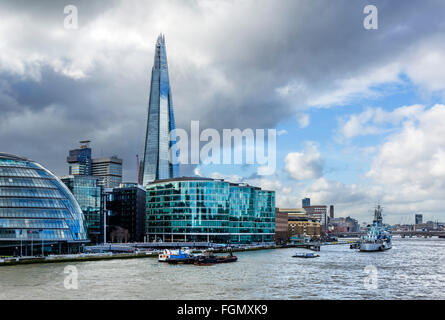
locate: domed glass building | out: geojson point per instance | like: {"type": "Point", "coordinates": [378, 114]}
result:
{"type": "Point", "coordinates": [38, 214]}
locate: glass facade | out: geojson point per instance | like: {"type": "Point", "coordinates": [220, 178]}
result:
{"type": "Point", "coordinates": [158, 141]}
{"type": "Point", "coordinates": [36, 206]}
{"type": "Point", "coordinates": [201, 209]}
{"type": "Point", "coordinates": [88, 194]}
{"type": "Point", "coordinates": [126, 218]}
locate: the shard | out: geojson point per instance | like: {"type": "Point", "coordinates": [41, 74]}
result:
{"type": "Point", "coordinates": [160, 142]}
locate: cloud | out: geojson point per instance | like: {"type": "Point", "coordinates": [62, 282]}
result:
{"type": "Point", "coordinates": [225, 58]}
{"type": "Point", "coordinates": [374, 120]}
{"type": "Point", "coordinates": [410, 163]}
{"type": "Point", "coordinates": [304, 165]}
{"type": "Point", "coordinates": [303, 120]}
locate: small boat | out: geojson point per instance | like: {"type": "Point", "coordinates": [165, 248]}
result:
{"type": "Point", "coordinates": [305, 255]}
{"type": "Point", "coordinates": [167, 255]}
{"type": "Point", "coordinates": [209, 259]}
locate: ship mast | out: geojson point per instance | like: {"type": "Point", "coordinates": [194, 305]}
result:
{"type": "Point", "coordinates": [378, 219]}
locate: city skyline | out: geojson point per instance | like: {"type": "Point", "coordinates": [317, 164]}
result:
{"type": "Point", "coordinates": [358, 112]}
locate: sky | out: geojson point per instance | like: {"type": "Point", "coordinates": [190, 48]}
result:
{"type": "Point", "coordinates": [359, 113]}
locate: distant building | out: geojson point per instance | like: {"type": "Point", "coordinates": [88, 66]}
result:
{"type": "Point", "coordinates": [109, 170]}
{"type": "Point", "coordinates": [281, 226]}
{"type": "Point", "coordinates": [299, 223]}
{"type": "Point", "coordinates": [88, 193]}
{"type": "Point", "coordinates": [331, 212]}
{"type": "Point", "coordinates": [319, 213]}
{"type": "Point", "coordinates": [419, 218]}
{"type": "Point", "coordinates": [79, 160]}
{"type": "Point", "coordinates": [348, 224]}
{"type": "Point", "coordinates": [306, 202]}
{"type": "Point", "coordinates": [126, 214]}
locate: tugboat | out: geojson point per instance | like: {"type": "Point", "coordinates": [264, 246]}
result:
{"type": "Point", "coordinates": [378, 237]}
{"type": "Point", "coordinates": [305, 255]}
{"type": "Point", "coordinates": [209, 259]}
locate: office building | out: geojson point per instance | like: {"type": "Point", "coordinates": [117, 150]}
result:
{"type": "Point", "coordinates": [281, 226]}
{"type": "Point", "coordinates": [348, 224]}
{"type": "Point", "coordinates": [88, 193]}
{"type": "Point", "coordinates": [160, 143]}
{"type": "Point", "coordinates": [38, 214]}
{"type": "Point", "coordinates": [319, 213]}
{"type": "Point", "coordinates": [126, 213]}
{"type": "Point", "coordinates": [203, 209]}
{"type": "Point", "coordinates": [299, 224]}
{"type": "Point", "coordinates": [419, 218]}
{"type": "Point", "coordinates": [306, 202]}
{"type": "Point", "coordinates": [79, 160]}
{"type": "Point", "coordinates": [331, 211]}
{"type": "Point", "coordinates": [109, 170]}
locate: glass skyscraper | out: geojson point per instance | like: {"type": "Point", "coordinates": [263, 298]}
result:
{"type": "Point", "coordinates": [160, 145]}
{"type": "Point", "coordinates": [204, 209]}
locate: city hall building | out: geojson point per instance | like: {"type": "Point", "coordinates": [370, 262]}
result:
{"type": "Point", "coordinates": [209, 210]}
{"type": "Point", "coordinates": [38, 214]}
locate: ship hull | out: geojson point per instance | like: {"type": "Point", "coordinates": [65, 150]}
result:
{"type": "Point", "coordinates": [371, 247]}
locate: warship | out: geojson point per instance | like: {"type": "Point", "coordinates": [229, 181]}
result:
{"type": "Point", "coordinates": [378, 237]}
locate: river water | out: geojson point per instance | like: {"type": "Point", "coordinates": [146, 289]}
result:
{"type": "Point", "coordinates": [412, 269]}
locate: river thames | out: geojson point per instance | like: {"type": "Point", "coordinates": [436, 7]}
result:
{"type": "Point", "coordinates": [412, 269]}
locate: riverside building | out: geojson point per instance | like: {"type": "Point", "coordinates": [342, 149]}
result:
{"type": "Point", "coordinates": [88, 193]}
{"type": "Point", "coordinates": [204, 209]}
{"type": "Point", "coordinates": [126, 213]}
{"type": "Point", "coordinates": [38, 214]}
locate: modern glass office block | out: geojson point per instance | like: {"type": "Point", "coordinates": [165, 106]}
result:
{"type": "Point", "coordinates": [88, 193]}
{"type": "Point", "coordinates": [160, 146]}
{"type": "Point", "coordinates": [202, 209]}
{"type": "Point", "coordinates": [36, 207]}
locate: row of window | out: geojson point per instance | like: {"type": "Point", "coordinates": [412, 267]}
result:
{"type": "Point", "coordinates": [216, 224]}
{"type": "Point", "coordinates": [31, 203]}
{"type": "Point", "coordinates": [34, 213]}
{"type": "Point", "coordinates": [33, 224]}
{"type": "Point", "coordinates": [30, 192]}
{"type": "Point", "coordinates": [17, 163]}
{"type": "Point", "coordinates": [253, 216]}
{"type": "Point", "coordinates": [21, 172]}
{"type": "Point", "coordinates": [20, 234]}
{"type": "Point", "coordinates": [158, 230]}
{"type": "Point", "coordinates": [26, 182]}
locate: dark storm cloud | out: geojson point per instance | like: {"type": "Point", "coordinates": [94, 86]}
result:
{"type": "Point", "coordinates": [226, 64]}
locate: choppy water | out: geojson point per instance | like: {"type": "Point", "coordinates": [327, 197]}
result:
{"type": "Point", "coordinates": [413, 269]}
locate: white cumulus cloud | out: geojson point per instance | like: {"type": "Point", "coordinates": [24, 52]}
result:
{"type": "Point", "coordinates": [305, 165]}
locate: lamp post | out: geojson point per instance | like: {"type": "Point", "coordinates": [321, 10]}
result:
{"type": "Point", "coordinates": [32, 247]}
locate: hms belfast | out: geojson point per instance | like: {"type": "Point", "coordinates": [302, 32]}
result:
{"type": "Point", "coordinates": [378, 237]}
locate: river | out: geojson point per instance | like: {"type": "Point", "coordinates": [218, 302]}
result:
{"type": "Point", "coordinates": [412, 269]}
